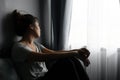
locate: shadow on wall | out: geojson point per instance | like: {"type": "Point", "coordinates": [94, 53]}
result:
{"type": "Point", "coordinates": [8, 36]}
{"type": "Point", "coordinates": [7, 70]}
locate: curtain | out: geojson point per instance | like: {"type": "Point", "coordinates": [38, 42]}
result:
{"type": "Point", "coordinates": [54, 19]}
{"type": "Point", "coordinates": [55, 24]}
{"type": "Point", "coordinates": [95, 24]}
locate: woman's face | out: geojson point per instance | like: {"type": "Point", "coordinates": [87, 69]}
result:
{"type": "Point", "coordinates": [36, 29]}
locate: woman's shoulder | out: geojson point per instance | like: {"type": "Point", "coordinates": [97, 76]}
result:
{"type": "Point", "coordinates": [20, 52]}
{"type": "Point", "coordinates": [18, 44]}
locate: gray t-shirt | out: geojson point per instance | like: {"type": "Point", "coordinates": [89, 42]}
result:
{"type": "Point", "coordinates": [27, 70]}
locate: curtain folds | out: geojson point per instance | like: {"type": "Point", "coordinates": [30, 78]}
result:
{"type": "Point", "coordinates": [97, 23]}
{"type": "Point", "coordinates": [54, 19]}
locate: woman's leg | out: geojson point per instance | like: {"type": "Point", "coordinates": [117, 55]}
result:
{"type": "Point", "coordinates": [80, 70]}
{"type": "Point", "coordinates": [66, 69]}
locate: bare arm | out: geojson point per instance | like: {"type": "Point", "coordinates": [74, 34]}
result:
{"type": "Point", "coordinates": [46, 50]}
{"type": "Point", "coordinates": [34, 56]}
{"type": "Point", "coordinates": [83, 52]}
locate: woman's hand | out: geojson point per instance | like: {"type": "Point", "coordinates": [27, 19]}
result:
{"type": "Point", "coordinates": [83, 55]}
{"type": "Point", "coordinates": [86, 62]}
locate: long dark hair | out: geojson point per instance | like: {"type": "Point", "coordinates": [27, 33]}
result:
{"type": "Point", "coordinates": [22, 22]}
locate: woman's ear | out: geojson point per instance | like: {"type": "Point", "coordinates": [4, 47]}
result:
{"type": "Point", "coordinates": [31, 27]}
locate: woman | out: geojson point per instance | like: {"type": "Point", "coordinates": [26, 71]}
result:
{"type": "Point", "coordinates": [29, 56]}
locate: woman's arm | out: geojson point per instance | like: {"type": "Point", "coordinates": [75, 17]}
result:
{"type": "Point", "coordinates": [35, 56]}
{"type": "Point", "coordinates": [83, 52]}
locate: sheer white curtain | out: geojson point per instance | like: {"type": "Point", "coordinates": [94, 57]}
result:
{"type": "Point", "coordinates": [96, 24]}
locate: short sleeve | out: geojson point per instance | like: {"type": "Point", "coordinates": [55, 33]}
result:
{"type": "Point", "coordinates": [40, 46]}
{"type": "Point", "coordinates": [20, 53]}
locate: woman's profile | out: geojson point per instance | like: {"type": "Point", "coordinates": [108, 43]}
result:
{"type": "Point", "coordinates": [29, 56]}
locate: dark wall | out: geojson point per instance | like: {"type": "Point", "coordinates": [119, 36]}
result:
{"type": "Point", "coordinates": [7, 36]}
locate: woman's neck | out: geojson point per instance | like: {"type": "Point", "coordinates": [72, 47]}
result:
{"type": "Point", "coordinates": [28, 39]}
